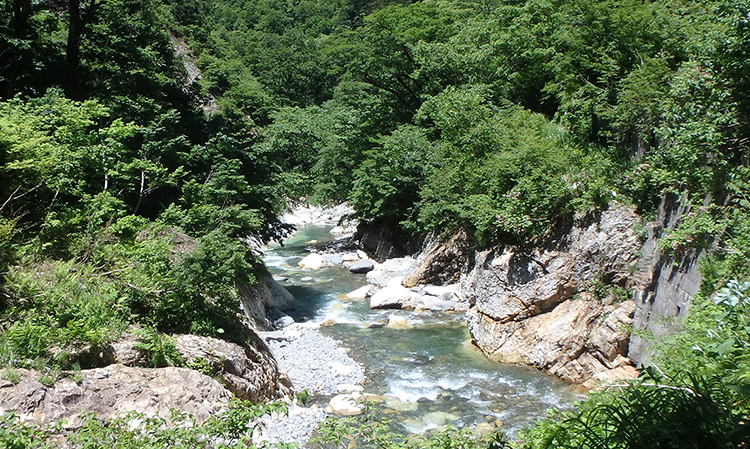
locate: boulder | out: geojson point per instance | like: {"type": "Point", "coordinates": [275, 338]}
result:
{"type": "Point", "coordinates": [391, 268]}
{"type": "Point", "coordinates": [264, 295]}
{"type": "Point", "coordinates": [362, 266]}
{"type": "Point", "coordinates": [446, 292]}
{"type": "Point", "coordinates": [333, 259]}
{"type": "Point", "coordinates": [312, 261]}
{"type": "Point", "coordinates": [249, 372]}
{"type": "Point", "coordinates": [393, 297]}
{"type": "Point", "coordinates": [360, 293]}
{"type": "Point", "coordinates": [112, 390]}
{"type": "Point", "coordinates": [279, 319]}
{"type": "Point", "coordinates": [399, 322]}
{"type": "Point", "coordinates": [345, 404]}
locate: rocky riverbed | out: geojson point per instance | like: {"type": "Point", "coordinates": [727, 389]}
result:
{"type": "Point", "coordinates": [313, 362]}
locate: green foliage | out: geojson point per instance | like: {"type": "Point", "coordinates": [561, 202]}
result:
{"type": "Point", "coordinates": [685, 412]}
{"type": "Point", "coordinates": [159, 348]}
{"type": "Point", "coordinates": [697, 229]}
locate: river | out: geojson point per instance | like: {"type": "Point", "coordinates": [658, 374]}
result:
{"type": "Point", "coordinates": [430, 373]}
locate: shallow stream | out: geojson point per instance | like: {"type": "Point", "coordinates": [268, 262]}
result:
{"type": "Point", "coordinates": [430, 373]}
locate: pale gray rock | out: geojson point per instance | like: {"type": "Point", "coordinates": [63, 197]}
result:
{"type": "Point", "coordinates": [313, 261]}
{"type": "Point", "coordinates": [523, 306]}
{"type": "Point", "coordinates": [443, 260]}
{"type": "Point", "coordinates": [391, 268]}
{"type": "Point", "coordinates": [393, 297]}
{"type": "Point", "coordinates": [264, 295]}
{"type": "Point", "coordinates": [112, 390]}
{"type": "Point", "coordinates": [249, 372]}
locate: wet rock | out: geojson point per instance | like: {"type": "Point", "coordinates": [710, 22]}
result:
{"type": "Point", "coordinates": [312, 261]}
{"type": "Point", "coordinates": [393, 297]}
{"type": "Point", "coordinates": [391, 268]}
{"type": "Point", "coordinates": [398, 322]}
{"type": "Point", "coordinates": [362, 266]}
{"type": "Point", "coordinates": [306, 279]}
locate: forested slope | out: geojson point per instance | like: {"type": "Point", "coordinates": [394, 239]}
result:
{"type": "Point", "coordinates": [499, 117]}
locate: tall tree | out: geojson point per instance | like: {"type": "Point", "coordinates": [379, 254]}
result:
{"type": "Point", "coordinates": [79, 17]}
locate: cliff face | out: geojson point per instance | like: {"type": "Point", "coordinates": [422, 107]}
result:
{"type": "Point", "coordinates": [546, 306]}
{"type": "Point", "coordinates": [663, 293]}
{"type": "Point", "coordinates": [558, 306]}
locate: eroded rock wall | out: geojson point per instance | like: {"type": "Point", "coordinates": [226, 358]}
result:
{"type": "Point", "coordinates": [663, 292]}
{"type": "Point", "coordinates": [544, 306]}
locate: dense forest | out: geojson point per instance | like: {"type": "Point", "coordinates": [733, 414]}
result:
{"type": "Point", "coordinates": [126, 122]}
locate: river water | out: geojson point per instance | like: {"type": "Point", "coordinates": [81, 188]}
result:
{"type": "Point", "coordinates": [429, 373]}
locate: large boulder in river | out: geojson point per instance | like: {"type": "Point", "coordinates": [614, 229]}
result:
{"type": "Point", "coordinates": [313, 261]}
{"type": "Point", "coordinates": [393, 296]}
{"type": "Point", "coordinates": [524, 310]}
{"type": "Point", "coordinates": [112, 390]}
{"type": "Point", "coordinates": [391, 269]}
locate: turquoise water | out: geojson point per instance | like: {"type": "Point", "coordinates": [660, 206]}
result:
{"type": "Point", "coordinates": [429, 373]}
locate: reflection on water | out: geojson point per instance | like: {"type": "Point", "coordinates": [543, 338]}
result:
{"type": "Point", "coordinates": [429, 373]}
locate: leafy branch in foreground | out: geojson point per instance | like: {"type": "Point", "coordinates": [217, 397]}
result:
{"type": "Point", "coordinates": [655, 412]}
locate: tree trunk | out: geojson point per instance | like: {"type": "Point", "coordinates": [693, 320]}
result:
{"type": "Point", "coordinates": [73, 51]}
{"type": "Point", "coordinates": [76, 30]}
{"type": "Point", "coordinates": [21, 12]}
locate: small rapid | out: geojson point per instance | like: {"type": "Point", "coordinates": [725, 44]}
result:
{"type": "Point", "coordinates": [426, 373]}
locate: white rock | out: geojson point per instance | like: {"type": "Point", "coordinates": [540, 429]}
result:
{"type": "Point", "coordinates": [392, 297]}
{"type": "Point", "coordinates": [312, 261]}
{"type": "Point", "coordinates": [345, 404]}
{"type": "Point", "coordinates": [350, 257]}
{"type": "Point", "coordinates": [339, 368]}
{"type": "Point", "coordinates": [349, 388]}
{"type": "Point", "coordinates": [398, 321]}
{"type": "Point", "coordinates": [360, 293]}
{"type": "Point", "coordinates": [446, 292]}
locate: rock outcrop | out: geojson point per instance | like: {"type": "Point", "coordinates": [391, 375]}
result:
{"type": "Point", "coordinates": [258, 299]}
{"type": "Point", "coordinates": [443, 260]}
{"type": "Point", "coordinates": [249, 372]}
{"type": "Point", "coordinates": [666, 285]}
{"type": "Point", "coordinates": [541, 306]}
{"type": "Point", "coordinates": [112, 390]}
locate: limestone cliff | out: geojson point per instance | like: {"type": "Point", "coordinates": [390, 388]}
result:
{"type": "Point", "coordinates": [545, 306]}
